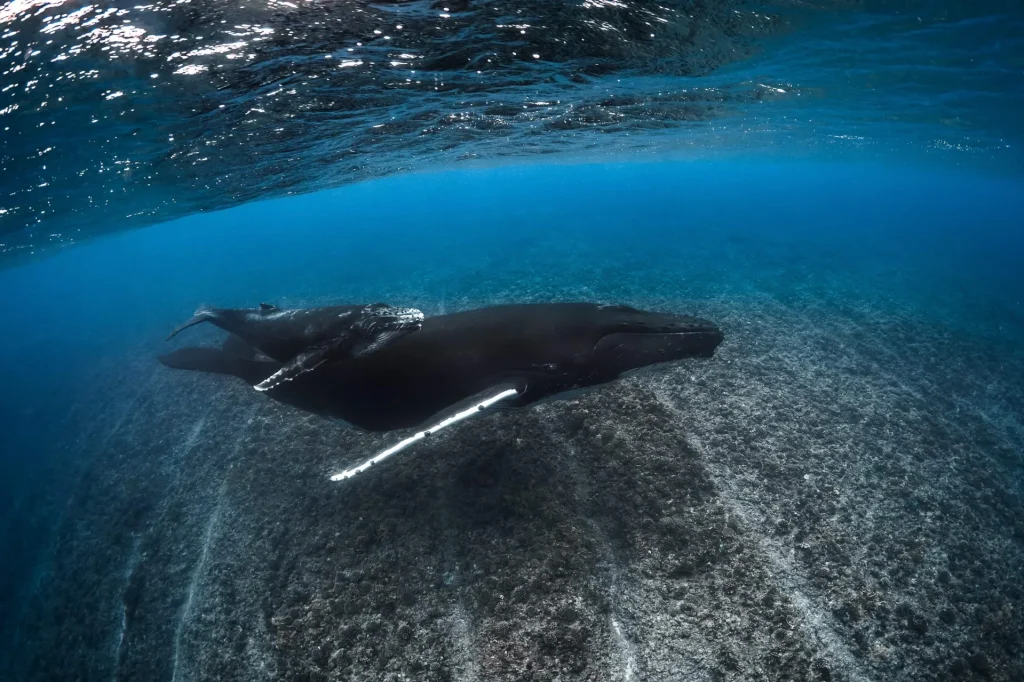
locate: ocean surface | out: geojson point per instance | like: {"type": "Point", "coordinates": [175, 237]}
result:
{"type": "Point", "coordinates": [838, 494]}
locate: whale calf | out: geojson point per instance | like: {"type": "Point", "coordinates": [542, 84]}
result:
{"type": "Point", "coordinates": [302, 339]}
{"type": "Point", "coordinates": [540, 350]}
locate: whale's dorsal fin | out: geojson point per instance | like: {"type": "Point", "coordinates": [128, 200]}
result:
{"type": "Point", "coordinates": [267, 307]}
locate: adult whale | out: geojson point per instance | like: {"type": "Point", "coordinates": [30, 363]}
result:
{"type": "Point", "coordinates": [302, 339]}
{"type": "Point", "coordinates": [539, 350]}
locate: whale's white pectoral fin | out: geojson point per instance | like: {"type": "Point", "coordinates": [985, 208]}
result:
{"type": "Point", "coordinates": [304, 362]}
{"type": "Point", "coordinates": [475, 409]}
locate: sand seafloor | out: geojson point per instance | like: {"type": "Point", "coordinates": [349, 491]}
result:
{"type": "Point", "coordinates": [835, 496]}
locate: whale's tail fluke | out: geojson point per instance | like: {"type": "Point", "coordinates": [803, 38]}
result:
{"type": "Point", "coordinates": [218, 361]}
{"type": "Point", "coordinates": [201, 315]}
{"type": "Point", "coordinates": [239, 348]}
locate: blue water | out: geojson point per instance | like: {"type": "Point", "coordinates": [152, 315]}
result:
{"type": "Point", "coordinates": [839, 185]}
{"type": "Point", "coordinates": [945, 244]}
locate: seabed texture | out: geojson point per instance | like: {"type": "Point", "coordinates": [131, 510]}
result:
{"type": "Point", "coordinates": [835, 496]}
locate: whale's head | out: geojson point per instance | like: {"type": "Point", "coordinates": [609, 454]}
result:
{"type": "Point", "coordinates": [590, 344]}
{"type": "Point", "coordinates": [631, 338]}
{"type": "Point", "coordinates": [379, 324]}
{"type": "Point", "coordinates": [381, 315]}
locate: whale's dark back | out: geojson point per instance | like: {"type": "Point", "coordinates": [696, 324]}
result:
{"type": "Point", "coordinates": [283, 334]}
{"type": "Point", "coordinates": [541, 349]}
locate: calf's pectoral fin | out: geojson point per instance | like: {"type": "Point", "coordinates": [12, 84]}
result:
{"type": "Point", "coordinates": [300, 364]}
{"type": "Point", "coordinates": [375, 343]}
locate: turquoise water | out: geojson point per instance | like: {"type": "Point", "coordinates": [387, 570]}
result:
{"type": "Point", "coordinates": [836, 495]}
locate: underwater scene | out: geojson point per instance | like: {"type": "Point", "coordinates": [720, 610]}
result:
{"type": "Point", "coordinates": [473, 340]}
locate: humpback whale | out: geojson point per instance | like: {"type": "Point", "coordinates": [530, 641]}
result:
{"type": "Point", "coordinates": [523, 353]}
{"type": "Point", "coordinates": [304, 338]}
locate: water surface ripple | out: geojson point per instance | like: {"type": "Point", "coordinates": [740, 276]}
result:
{"type": "Point", "coordinates": [121, 114]}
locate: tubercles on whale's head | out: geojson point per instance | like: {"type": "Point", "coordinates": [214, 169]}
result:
{"type": "Point", "coordinates": [397, 319]}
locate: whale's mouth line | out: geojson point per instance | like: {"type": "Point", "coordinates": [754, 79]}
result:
{"type": "Point", "coordinates": [647, 334]}
{"type": "Point", "coordinates": [689, 332]}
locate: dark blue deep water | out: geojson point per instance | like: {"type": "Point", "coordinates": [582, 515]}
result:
{"type": "Point", "coordinates": [837, 495]}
